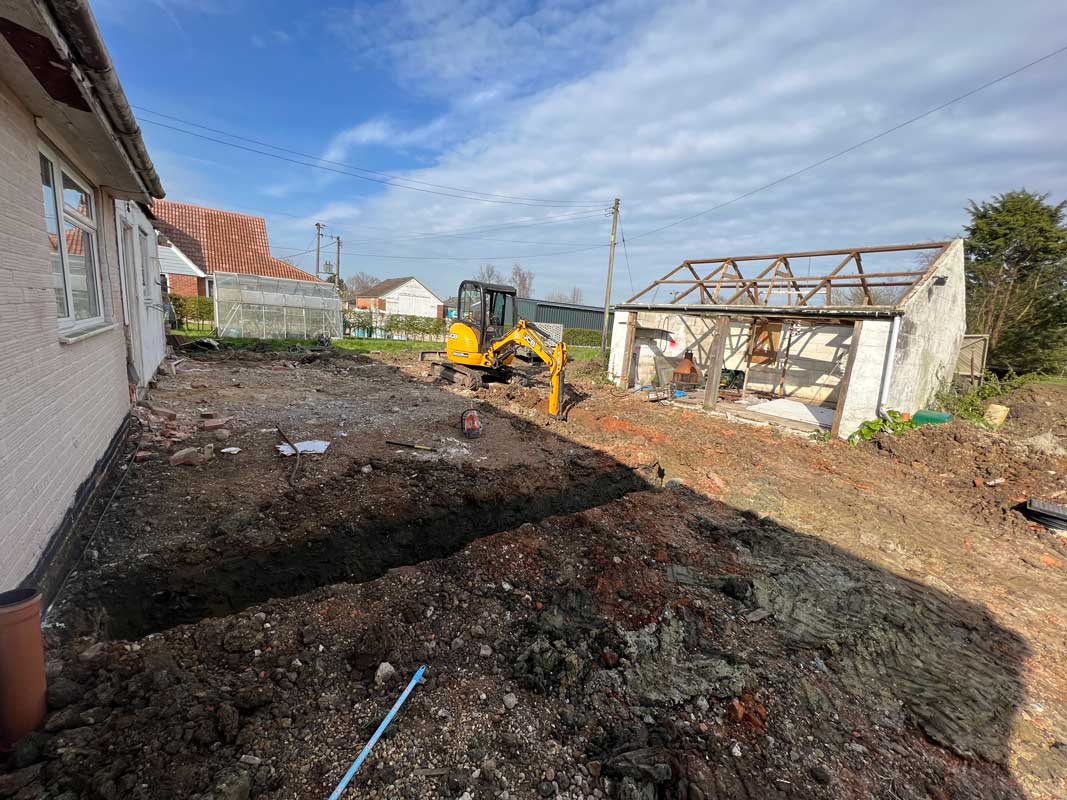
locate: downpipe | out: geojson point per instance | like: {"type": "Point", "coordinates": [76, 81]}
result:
{"type": "Point", "coordinates": [887, 368]}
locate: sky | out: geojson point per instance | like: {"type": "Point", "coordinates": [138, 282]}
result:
{"type": "Point", "coordinates": [451, 133]}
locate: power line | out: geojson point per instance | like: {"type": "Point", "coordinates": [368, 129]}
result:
{"type": "Point", "coordinates": [386, 179]}
{"type": "Point", "coordinates": [858, 145]}
{"type": "Point", "coordinates": [622, 235]}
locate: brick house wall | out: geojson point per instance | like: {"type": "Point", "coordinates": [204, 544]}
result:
{"type": "Point", "coordinates": [187, 285]}
{"type": "Point", "coordinates": [62, 403]}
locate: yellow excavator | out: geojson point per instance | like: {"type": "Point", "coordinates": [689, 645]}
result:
{"type": "Point", "coordinates": [486, 337]}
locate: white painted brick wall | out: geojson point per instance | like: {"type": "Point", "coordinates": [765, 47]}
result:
{"type": "Point", "coordinates": [60, 404]}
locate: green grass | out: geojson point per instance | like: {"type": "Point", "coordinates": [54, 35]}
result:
{"type": "Point", "coordinates": [192, 333]}
{"type": "Point", "coordinates": [574, 352]}
{"type": "Point", "coordinates": [582, 353]}
{"type": "Point", "coordinates": [386, 345]}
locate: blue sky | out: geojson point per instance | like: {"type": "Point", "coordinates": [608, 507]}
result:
{"type": "Point", "coordinates": [673, 106]}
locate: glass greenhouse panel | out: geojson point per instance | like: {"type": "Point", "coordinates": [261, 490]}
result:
{"type": "Point", "coordinates": [275, 308]}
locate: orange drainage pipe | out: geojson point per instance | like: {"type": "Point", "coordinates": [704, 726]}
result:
{"type": "Point", "coordinates": [22, 681]}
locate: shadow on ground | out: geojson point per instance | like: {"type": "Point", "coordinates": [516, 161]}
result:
{"type": "Point", "coordinates": [700, 599]}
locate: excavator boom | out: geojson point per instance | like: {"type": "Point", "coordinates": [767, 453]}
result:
{"type": "Point", "coordinates": [526, 335]}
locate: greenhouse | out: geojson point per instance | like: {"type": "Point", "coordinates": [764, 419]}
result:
{"type": "Point", "coordinates": [275, 308]}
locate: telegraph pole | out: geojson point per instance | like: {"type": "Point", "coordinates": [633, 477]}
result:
{"type": "Point", "coordinates": [318, 241]}
{"type": "Point", "coordinates": [611, 268]}
{"type": "Point", "coordinates": [337, 264]}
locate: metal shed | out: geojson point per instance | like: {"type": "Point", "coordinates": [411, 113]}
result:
{"type": "Point", "coordinates": [569, 315]}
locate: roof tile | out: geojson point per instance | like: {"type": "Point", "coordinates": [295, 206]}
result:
{"type": "Point", "coordinates": [223, 241]}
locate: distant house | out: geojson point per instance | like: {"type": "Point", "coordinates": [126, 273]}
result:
{"type": "Point", "coordinates": [201, 241]}
{"type": "Point", "coordinates": [405, 296]}
{"type": "Point", "coordinates": [81, 314]}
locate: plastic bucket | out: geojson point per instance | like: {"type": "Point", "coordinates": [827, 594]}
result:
{"type": "Point", "coordinates": [22, 681]}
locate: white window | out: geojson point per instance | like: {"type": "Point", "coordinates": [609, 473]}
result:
{"type": "Point", "coordinates": [70, 219]}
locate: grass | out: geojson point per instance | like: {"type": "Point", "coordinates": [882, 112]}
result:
{"type": "Point", "coordinates": [386, 345]}
{"type": "Point", "coordinates": [574, 352]}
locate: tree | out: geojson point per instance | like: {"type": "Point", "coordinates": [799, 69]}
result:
{"type": "Point", "coordinates": [488, 273]}
{"type": "Point", "coordinates": [575, 296]}
{"type": "Point", "coordinates": [360, 282]}
{"type": "Point", "coordinates": [522, 280]}
{"type": "Point", "coordinates": [1016, 273]}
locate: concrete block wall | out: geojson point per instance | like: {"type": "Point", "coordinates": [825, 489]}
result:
{"type": "Point", "coordinates": [861, 400]}
{"type": "Point", "coordinates": [931, 332]}
{"type": "Point", "coordinates": [814, 369]}
{"type": "Point", "coordinates": [61, 404]}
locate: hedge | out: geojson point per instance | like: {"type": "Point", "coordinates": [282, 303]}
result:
{"type": "Point", "coordinates": [581, 337]}
{"type": "Point", "coordinates": [192, 308]}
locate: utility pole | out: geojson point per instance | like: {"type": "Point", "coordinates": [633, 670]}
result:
{"type": "Point", "coordinates": [318, 241]}
{"type": "Point", "coordinates": [611, 268]}
{"type": "Point", "coordinates": [337, 264]}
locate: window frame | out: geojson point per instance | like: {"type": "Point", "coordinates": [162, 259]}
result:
{"type": "Point", "coordinates": [63, 169]}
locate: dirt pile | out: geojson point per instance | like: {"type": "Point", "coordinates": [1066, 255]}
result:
{"type": "Point", "coordinates": [717, 672]}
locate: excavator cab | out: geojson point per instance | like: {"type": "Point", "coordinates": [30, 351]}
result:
{"type": "Point", "coordinates": [484, 313]}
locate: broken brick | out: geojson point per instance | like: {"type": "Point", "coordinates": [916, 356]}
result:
{"type": "Point", "coordinates": [186, 457]}
{"type": "Point", "coordinates": [215, 424]}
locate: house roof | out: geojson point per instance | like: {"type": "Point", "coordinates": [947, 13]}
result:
{"type": "Point", "coordinates": [386, 286]}
{"type": "Point", "coordinates": [173, 261]}
{"type": "Point", "coordinates": [223, 241]}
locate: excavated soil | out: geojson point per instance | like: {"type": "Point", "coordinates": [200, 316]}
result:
{"type": "Point", "coordinates": [640, 602]}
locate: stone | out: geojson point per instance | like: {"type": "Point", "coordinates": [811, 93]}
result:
{"type": "Point", "coordinates": [63, 692]}
{"type": "Point", "coordinates": [64, 720]}
{"type": "Point", "coordinates": [186, 457]}
{"type": "Point", "coordinates": [14, 781]}
{"type": "Point", "coordinates": [222, 434]}
{"type": "Point", "coordinates": [141, 456]}
{"type": "Point", "coordinates": [366, 469]}
{"type": "Point", "coordinates": [91, 652]}
{"type": "Point", "coordinates": [160, 411]}
{"type": "Point", "coordinates": [510, 701]}
{"type": "Point", "coordinates": [594, 768]}
{"type": "Point", "coordinates": [485, 651]}
{"type": "Point", "coordinates": [29, 750]}
{"type": "Point", "coordinates": [546, 789]}
{"type": "Point", "coordinates": [821, 774]}
{"type": "Point", "coordinates": [215, 424]}
{"type": "Point", "coordinates": [385, 674]}
{"type": "Point", "coordinates": [233, 785]}
{"type": "Point", "coordinates": [251, 760]}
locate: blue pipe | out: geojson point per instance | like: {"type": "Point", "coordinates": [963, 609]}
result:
{"type": "Point", "coordinates": [377, 735]}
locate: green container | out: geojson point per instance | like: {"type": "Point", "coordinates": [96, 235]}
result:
{"type": "Point", "coordinates": [928, 417]}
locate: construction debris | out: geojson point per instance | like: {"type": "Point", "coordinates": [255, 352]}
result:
{"type": "Point", "coordinates": [1051, 515]}
{"type": "Point", "coordinates": [310, 446]}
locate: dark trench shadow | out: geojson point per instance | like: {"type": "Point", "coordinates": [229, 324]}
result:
{"type": "Point", "coordinates": [888, 642]}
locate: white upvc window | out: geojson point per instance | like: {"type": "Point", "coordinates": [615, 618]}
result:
{"type": "Point", "coordinates": [70, 215]}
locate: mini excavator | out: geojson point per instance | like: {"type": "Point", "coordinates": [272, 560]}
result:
{"type": "Point", "coordinates": [485, 339]}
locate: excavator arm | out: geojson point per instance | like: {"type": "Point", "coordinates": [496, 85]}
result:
{"type": "Point", "coordinates": [555, 355]}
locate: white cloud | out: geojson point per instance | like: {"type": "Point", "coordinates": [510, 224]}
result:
{"type": "Point", "coordinates": [690, 107]}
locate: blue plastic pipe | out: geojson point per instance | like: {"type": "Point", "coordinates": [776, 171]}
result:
{"type": "Point", "coordinates": [377, 735]}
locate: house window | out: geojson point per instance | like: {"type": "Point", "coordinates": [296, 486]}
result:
{"type": "Point", "coordinates": [70, 220]}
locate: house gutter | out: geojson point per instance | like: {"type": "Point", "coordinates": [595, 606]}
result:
{"type": "Point", "coordinates": [76, 24]}
{"type": "Point", "coordinates": [887, 367]}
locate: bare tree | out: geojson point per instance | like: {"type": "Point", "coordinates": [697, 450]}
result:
{"type": "Point", "coordinates": [360, 282]}
{"type": "Point", "coordinates": [522, 280]}
{"type": "Point", "coordinates": [488, 273]}
{"type": "Point", "coordinates": [575, 296]}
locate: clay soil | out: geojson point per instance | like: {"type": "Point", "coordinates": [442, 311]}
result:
{"type": "Point", "coordinates": [640, 602]}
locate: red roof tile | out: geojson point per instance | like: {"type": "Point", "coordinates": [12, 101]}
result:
{"type": "Point", "coordinates": [222, 241]}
